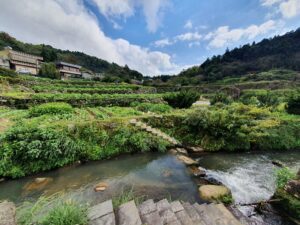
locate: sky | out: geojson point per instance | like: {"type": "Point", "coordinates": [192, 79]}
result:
{"type": "Point", "coordinates": [152, 36]}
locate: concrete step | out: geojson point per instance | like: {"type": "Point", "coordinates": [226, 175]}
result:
{"type": "Point", "coordinates": [205, 214]}
{"type": "Point", "coordinates": [225, 213]}
{"type": "Point", "coordinates": [102, 214]}
{"type": "Point", "coordinates": [149, 214]}
{"type": "Point", "coordinates": [192, 212]}
{"type": "Point", "coordinates": [128, 214]}
{"type": "Point", "coordinates": [181, 214]}
{"type": "Point", "coordinates": [166, 213]}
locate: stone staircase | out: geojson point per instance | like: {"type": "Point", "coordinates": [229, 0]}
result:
{"type": "Point", "coordinates": [161, 213]}
{"type": "Point", "coordinates": [154, 131]}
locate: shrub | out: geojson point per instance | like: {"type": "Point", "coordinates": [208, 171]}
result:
{"type": "Point", "coordinates": [157, 108]}
{"type": "Point", "coordinates": [183, 99]}
{"type": "Point", "coordinates": [7, 72]}
{"type": "Point", "coordinates": [30, 148]}
{"type": "Point", "coordinates": [293, 105]}
{"type": "Point", "coordinates": [49, 70]}
{"type": "Point", "coordinates": [221, 97]}
{"type": "Point", "coordinates": [283, 175]}
{"type": "Point", "coordinates": [51, 108]}
{"type": "Point", "coordinates": [66, 214]}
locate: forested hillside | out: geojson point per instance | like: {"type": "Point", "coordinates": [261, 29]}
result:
{"type": "Point", "coordinates": [51, 54]}
{"type": "Point", "coordinates": [279, 52]}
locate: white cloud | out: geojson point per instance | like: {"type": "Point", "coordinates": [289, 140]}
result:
{"type": "Point", "coordinates": [163, 42]}
{"type": "Point", "coordinates": [190, 36]}
{"type": "Point", "coordinates": [269, 2]}
{"type": "Point", "coordinates": [224, 35]}
{"type": "Point", "coordinates": [287, 8]}
{"type": "Point", "coordinates": [290, 8]}
{"type": "Point", "coordinates": [153, 10]}
{"type": "Point", "coordinates": [188, 24]}
{"type": "Point", "coordinates": [68, 25]}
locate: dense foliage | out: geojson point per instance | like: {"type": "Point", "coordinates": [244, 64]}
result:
{"type": "Point", "coordinates": [30, 147]}
{"type": "Point", "coordinates": [278, 52]}
{"type": "Point", "coordinates": [183, 99]}
{"type": "Point", "coordinates": [293, 105]}
{"type": "Point", "coordinates": [49, 70]}
{"type": "Point", "coordinates": [283, 175]}
{"type": "Point", "coordinates": [51, 108]}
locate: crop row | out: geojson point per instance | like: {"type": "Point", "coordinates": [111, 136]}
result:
{"type": "Point", "coordinates": [109, 89]}
{"type": "Point", "coordinates": [79, 100]}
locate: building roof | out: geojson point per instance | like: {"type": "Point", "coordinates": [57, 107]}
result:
{"type": "Point", "coordinates": [22, 55]}
{"type": "Point", "coordinates": [68, 64]}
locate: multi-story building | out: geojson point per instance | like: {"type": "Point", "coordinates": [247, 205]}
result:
{"type": "Point", "coordinates": [68, 70]}
{"type": "Point", "coordinates": [19, 61]}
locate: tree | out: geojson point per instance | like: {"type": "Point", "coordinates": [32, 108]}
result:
{"type": "Point", "coordinates": [49, 70]}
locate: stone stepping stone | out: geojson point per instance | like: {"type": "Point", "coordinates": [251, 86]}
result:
{"type": "Point", "coordinates": [102, 214]}
{"type": "Point", "coordinates": [133, 121]}
{"type": "Point", "coordinates": [128, 214]}
{"type": "Point", "coordinates": [187, 160]}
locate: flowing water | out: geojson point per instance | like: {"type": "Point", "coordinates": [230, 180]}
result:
{"type": "Point", "coordinates": [250, 176]}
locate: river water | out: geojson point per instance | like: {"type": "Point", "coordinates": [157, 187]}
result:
{"type": "Point", "coordinates": [250, 176]}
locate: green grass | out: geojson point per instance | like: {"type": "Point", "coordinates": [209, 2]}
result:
{"type": "Point", "coordinates": [127, 195]}
{"type": "Point", "coordinates": [52, 210]}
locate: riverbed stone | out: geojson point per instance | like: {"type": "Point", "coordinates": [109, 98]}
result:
{"type": "Point", "coordinates": [187, 160]}
{"type": "Point", "coordinates": [100, 187]}
{"type": "Point", "coordinates": [38, 183]}
{"type": "Point", "coordinates": [7, 213]}
{"type": "Point", "coordinates": [213, 192]}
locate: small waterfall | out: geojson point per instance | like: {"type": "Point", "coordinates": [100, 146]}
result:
{"type": "Point", "coordinates": [251, 181]}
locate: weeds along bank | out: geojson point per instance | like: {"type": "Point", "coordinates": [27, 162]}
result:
{"type": "Point", "coordinates": [45, 138]}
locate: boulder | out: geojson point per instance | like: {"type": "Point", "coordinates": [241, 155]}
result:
{"type": "Point", "coordinates": [278, 163]}
{"type": "Point", "coordinates": [7, 213]}
{"type": "Point", "coordinates": [100, 187]}
{"type": "Point", "coordinates": [213, 192]}
{"type": "Point", "coordinates": [187, 160]}
{"type": "Point", "coordinates": [196, 149]}
{"type": "Point", "coordinates": [293, 188]}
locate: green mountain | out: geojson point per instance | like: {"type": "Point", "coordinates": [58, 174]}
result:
{"type": "Point", "coordinates": [279, 52]}
{"type": "Point", "coordinates": [50, 54]}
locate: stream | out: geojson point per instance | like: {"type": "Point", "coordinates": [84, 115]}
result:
{"type": "Point", "coordinates": [250, 176]}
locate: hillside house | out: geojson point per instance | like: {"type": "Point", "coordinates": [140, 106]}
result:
{"type": "Point", "coordinates": [20, 62]}
{"type": "Point", "coordinates": [87, 74]}
{"type": "Point", "coordinates": [68, 70]}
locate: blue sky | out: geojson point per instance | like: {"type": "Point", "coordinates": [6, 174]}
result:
{"type": "Point", "coordinates": [152, 36]}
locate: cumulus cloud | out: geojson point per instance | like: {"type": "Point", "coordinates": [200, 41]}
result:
{"type": "Point", "coordinates": [163, 42]}
{"type": "Point", "coordinates": [290, 8]}
{"type": "Point", "coordinates": [69, 25]}
{"type": "Point", "coordinates": [190, 36]}
{"type": "Point", "coordinates": [188, 24]}
{"type": "Point", "coordinates": [153, 10]}
{"type": "Point", "coordinates": [287, 8]}
{"type": "Point", "coordinates": [224, 35]}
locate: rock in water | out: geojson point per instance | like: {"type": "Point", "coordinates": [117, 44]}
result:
{"type": "Point", "coordinates": [100, 187]}
{"type": "Point", "coordinates": [197, 171]}
{"type": "Point", "coordinates": [38, 183]}
{"type": "Point", "coordinates": [213, 192]}
{"type": "Point", "coordinates": [187, 160]}
{"type": "Point", "coordinates": [7, 213]}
